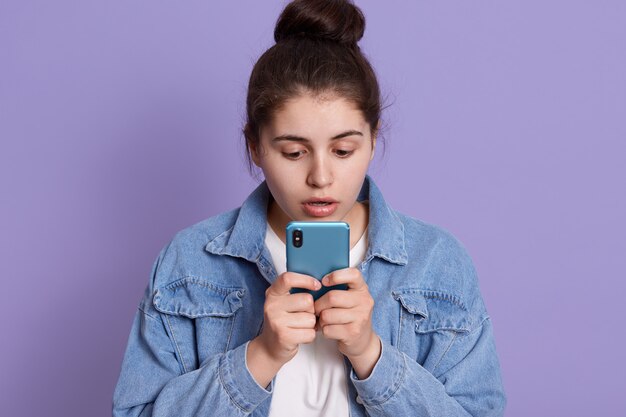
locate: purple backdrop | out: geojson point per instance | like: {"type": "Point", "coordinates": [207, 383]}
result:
{"type": "Point", "coordinates": [120, 125]}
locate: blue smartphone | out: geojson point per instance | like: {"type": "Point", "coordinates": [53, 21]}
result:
{"type": "Point", "coordinates": [317, 248]}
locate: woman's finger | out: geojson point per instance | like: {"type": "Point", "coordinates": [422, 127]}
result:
{"type": "Point", "coordinates": [336, 299]}
{"type": "Point", "coordinates": [299, 302]}
{"type": "Point", "coordinates": [350, 276]}
{"type": "Point", "coordinates": [300, 320]}
{"type": "Point", "coordinates": [288, 280]}
{"type": "Point", "coordinates": [337, 316]}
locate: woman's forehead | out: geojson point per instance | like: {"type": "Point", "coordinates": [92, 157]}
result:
{"type": "Point", "coordinates": [309, 115]}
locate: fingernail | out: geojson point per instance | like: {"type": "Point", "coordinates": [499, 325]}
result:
{"type": "Point", "coordinates": [317, 284]}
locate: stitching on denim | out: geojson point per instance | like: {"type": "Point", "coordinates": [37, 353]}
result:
{"type": "Point", "coordinates": [222, 291]}
{"type": "Point", "coordinates": [397, 295]}
{"type": "Point", "coordinates": [480, 327]}
{"type": "Point", "coordinates": [385, 257]}
{"type": "Point", "coordinates": [400, 326]}
{"type": "Point", "coordinates": [230, 332]}
{"type": "Point", "coordinates": [445, 353]}
{"type": "Point", "coordinates": [189, 315]}
{"type": "Point", "coordinates": [200, 281]}
{"type": "Point", "coordinates": [182, 360]}
{"type": "Point", "coordinates": [149, 315]}
{"type": "Point", "coordinates": [435, 294]}
{"type": "Point", "coordinates": [221, 377]}
{"type": "Point", "coordinates": [464, 326]}
{"type": "Point", "coordinates": [229, 230]}
{"type": "Point", "coordinates": [400, 381]}
{"type": "Point", "coordinates": [404, 255]}
{"type": "Point", "coordinates": [456, 330]}
{"type": "Point", "coordinates": [487, 317]}
{"type": "Point", "coordinates": [160, 319]}
{"type": "Point", "coordinates": [431, 256]}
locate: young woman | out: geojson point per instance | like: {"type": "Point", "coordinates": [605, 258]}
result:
{"type": "Point", "coordinates": [218, 332]}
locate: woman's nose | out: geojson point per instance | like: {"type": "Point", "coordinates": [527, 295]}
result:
{"type": "Point", "coordinates": [320, 174]}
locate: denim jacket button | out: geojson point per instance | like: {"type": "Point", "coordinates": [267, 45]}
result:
{"type": "Point", "coordinates": [359, 400]}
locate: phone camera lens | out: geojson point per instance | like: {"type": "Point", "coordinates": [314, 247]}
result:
{"type": "Point", "coordinates": [297, 238]}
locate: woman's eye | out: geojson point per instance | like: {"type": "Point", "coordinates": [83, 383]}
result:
{"type": "Point", "coordinates": [292, 155]}
{"type": "Point", "coordinates": [343, 153]}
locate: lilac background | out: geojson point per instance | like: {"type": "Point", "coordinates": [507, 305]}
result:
{"type": "Point", "coordinates": [120, 125]}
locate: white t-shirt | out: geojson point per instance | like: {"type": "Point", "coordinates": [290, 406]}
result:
{"type": "Point", "coordinates": [313, 383]}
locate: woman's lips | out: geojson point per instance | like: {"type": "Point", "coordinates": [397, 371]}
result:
{"type": "Point", "coordinates": [319, 210]}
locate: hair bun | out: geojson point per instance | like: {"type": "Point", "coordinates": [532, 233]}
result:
{"type": "Point", "coordinates": [335, 20]}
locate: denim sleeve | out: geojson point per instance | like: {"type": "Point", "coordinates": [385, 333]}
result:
{"type": "Point", "coordinates": [151, 384]}
{"type": "Point", "coordinates": [469, 385]}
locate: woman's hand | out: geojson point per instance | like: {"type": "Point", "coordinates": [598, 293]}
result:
{"type": "Point", "coordinates": [289, 318]}
{"type": "Point", "coordinates": [346, 316]}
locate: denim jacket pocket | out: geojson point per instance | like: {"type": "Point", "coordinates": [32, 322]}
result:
{"type": "Point", "coordinates": [430, 320]}
{"type": "Point", "coordinates": [199, 317]}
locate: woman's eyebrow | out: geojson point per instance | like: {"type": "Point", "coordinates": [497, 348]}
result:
{"type": "Point", "coordinates": [295, 138]}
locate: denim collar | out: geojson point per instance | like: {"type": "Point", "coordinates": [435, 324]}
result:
{"type": "Point", "coordinates": [246, 238]}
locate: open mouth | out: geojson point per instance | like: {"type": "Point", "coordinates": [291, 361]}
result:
{"type": "Point", "coordinates": [320, 208]}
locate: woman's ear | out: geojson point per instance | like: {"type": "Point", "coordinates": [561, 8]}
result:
{"type": "Point", "coordinates": [254, 152]}
{"type": "Point", "coordinates": [374, 140]}
{"type": "Point", "coordinates": [253, 146]}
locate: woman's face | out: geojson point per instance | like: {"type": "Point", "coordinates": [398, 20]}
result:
{"type": "Point", "coordinates": [314, 155]}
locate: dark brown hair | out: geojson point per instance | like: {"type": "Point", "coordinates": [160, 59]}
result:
{"type": "Point", "coordinates": [316, 52]}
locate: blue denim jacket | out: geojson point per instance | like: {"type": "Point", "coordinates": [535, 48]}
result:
{"type": "Point", "coordinates": [186, 353]}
